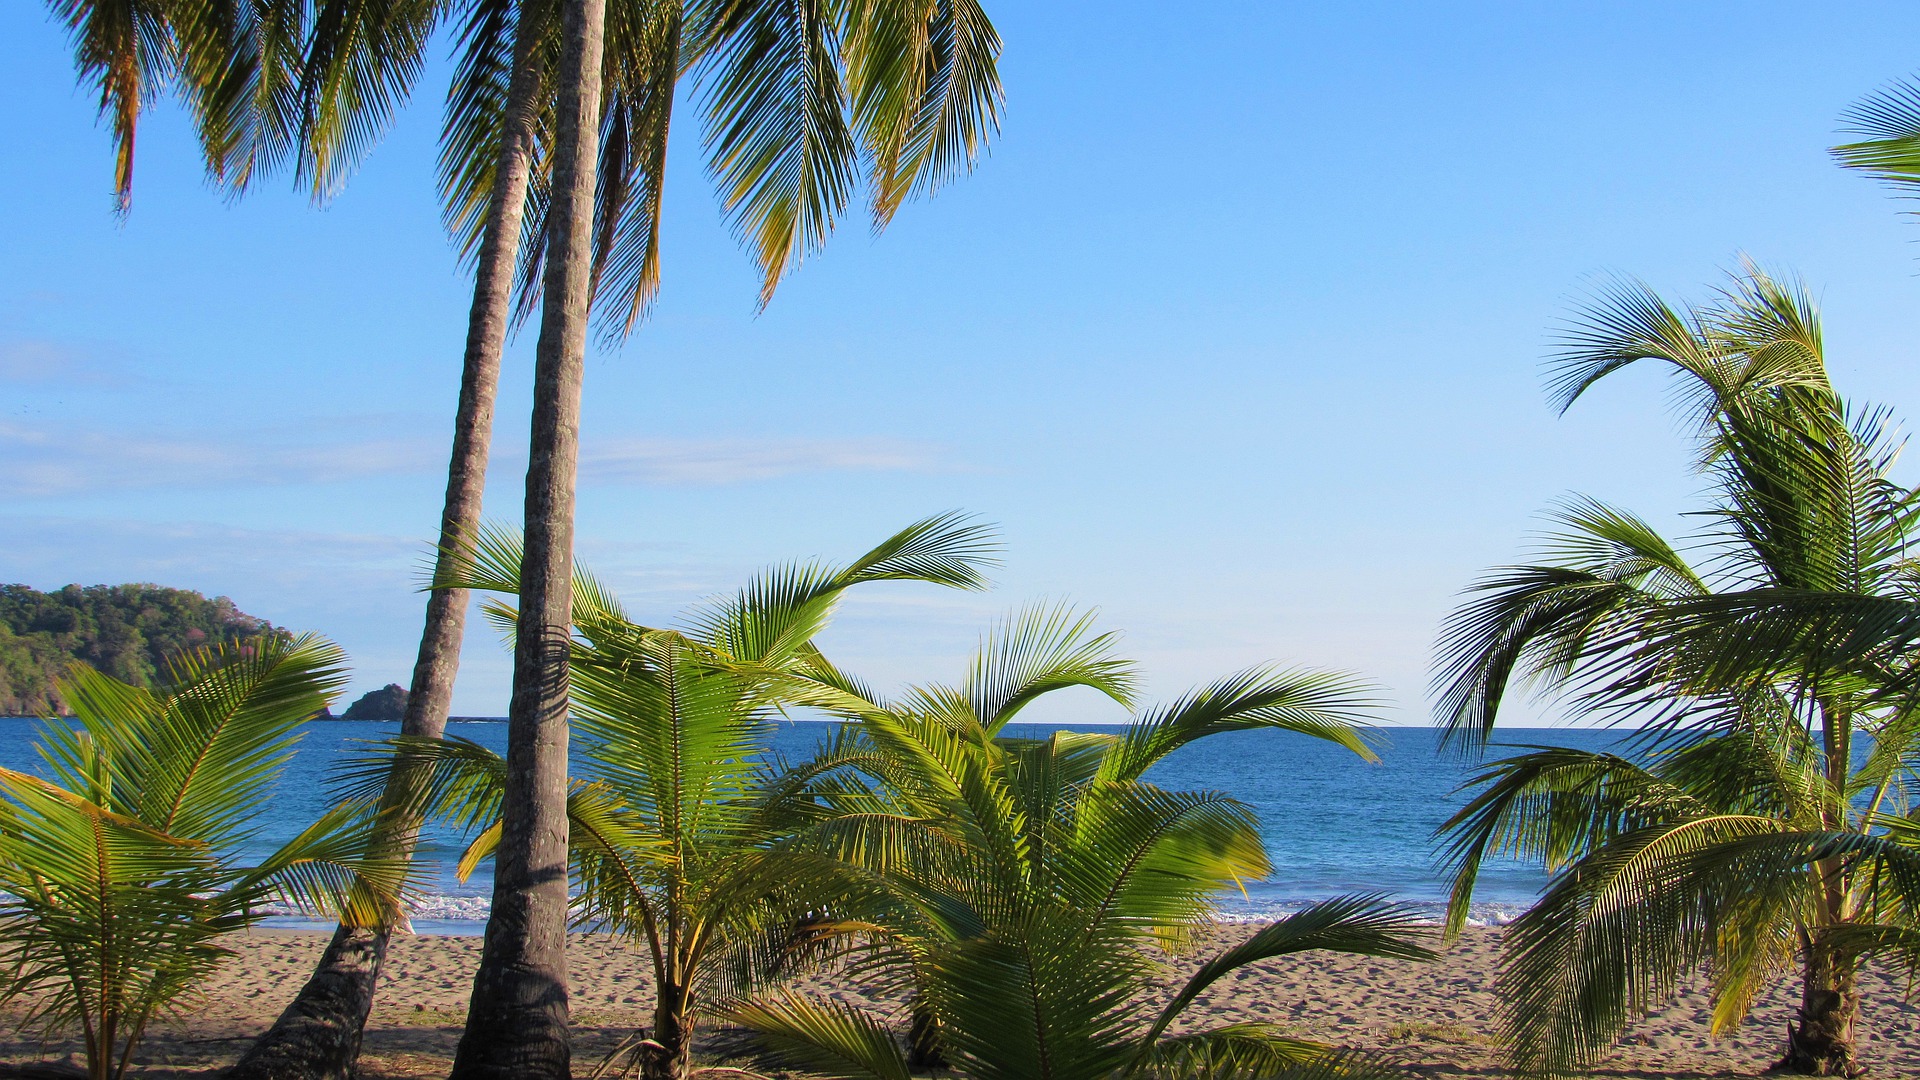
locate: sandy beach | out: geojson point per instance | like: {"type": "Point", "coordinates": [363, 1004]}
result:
{"type": "Point", "coordinates": [1433, 1018]}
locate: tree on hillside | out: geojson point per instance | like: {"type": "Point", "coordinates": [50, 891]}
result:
{"type": "Point", "coordinates": [129, 632]}
{"type": "Point", "coordinates": [1764, 820]}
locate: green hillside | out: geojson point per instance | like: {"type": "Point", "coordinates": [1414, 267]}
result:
{"type": "Point", "coordinates": [126, 631]}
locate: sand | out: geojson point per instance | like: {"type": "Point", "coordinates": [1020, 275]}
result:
{"type": "Point", "coordinates": [1434, 1018]}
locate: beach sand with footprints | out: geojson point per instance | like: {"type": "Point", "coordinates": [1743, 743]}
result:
{"type": "Point", "coordinates": [1435, 1018]}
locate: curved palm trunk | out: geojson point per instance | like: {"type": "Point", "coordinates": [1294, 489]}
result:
{"type": "Point", "coordinates": [318, 1036]}
{"type": "Point", "coordinates": [517, 1021]}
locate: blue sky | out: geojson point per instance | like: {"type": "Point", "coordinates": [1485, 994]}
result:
{"type": "Point", "coordinates": [1236, 334]}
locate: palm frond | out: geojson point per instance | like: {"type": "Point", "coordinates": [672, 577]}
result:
{"type": "Point", "coordinates": [1326, 705]}
{"type": "Point", "coordinates": [829, 1039]}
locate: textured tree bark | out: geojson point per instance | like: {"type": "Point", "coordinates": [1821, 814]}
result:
{"type": "Point", "coordinates": [1820, 1042]}
{"type": "Point", "coordinates": [517, 1020]}
{"type": "Point", "coordinates": [669, 1057]}
{"type": "Point", "coordinates": [318, 1036]}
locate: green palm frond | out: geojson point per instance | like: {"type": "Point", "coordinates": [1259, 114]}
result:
{"type": "Point", "coordinates": [828, 1039]}
{"type": "Point", "coordinates": [362, 59]}
{"type": "Point", "coordinates": [1551, 805]}
{"type": "Point", "coordinates": [779, 145]}
{"type": "Point", "coordinates": [493, 35]}
{"type": "Point", "coordinates": [1326, 705]}
{"type": "Point", "coordinates": [1040, 650]}
{"type": "Point", "coordinates": [1250, 1050]}
{"type": "Point", "coordinates": [774, 618]}
{"type": "Point", "coordinates": [1155, 859]}
{"type": "Point", "coordinates": [1889, 121]}
{"type": "Point", "coordinates": [490, 562]}
{"type": "Point", "coordinates": [1364, 925]}
{"type": "Point", "coordinates": [924, 87]}
{"type": "Point", "coordinates": [120, 873]}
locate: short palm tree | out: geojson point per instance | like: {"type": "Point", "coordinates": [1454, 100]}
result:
{"type": "Point", "coordinates": [676, 820]}
{"type": "Point", "coordinates": [121, 867]}
{"type": "Point", "coordinates": [1017, 888]}
{"type": "Point", "coordinates": [1748, 828]}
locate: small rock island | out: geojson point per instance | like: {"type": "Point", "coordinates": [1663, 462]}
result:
{"type": "Point", "coordinates": [385, 705]}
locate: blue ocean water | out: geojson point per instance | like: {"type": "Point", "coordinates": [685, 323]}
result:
{"type": "Point", "coordinates": [1332, 822]}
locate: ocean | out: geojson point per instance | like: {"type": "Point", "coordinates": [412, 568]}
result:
{"type": "Point", "coordinates": [1333, 823]}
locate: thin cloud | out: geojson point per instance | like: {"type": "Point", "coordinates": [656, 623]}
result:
{"type": "Point", "coordinates": [39, 461]}
{"type": "Point", "coordinates": [33, 362]}
{"type": "Point", "coordinates": [719, 462]}
{"type": "Point", "coordinates": [46, 461]}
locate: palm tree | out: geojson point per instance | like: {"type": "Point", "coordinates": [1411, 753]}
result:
{"type": "Point", "coordinates": [1017, 887]}
{"type": "Point", "coordinates": [1746, 828]}
{"type": "Point", "coordinates": [675, 825]}
{"type": "Point", "coordinates": [119, 870]}
{"type": "Point", "coordinates": [779, 175]}
{"type": "Point", "coordinates": [796, 105]}
{"type": "Point", "coordinates": [908, 90]}
{"type": "Point", "coordinates": [1888, 122]}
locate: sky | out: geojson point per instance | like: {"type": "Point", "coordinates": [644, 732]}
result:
{"type": "Point", "coordinates": [1236, 335]}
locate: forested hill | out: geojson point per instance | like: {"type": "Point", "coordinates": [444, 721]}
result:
{"type": "Point", "coordinates": [126, 631]}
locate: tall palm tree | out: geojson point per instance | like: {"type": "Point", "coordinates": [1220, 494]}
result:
{"type": "Point", "coordinates": [798, 102]}
{"type": "Point", "coordinates": [784, 149]}
{"type": "Point", "coordinates": [676, 823]}
{"type": "Point", "coordinates": [1018, 887]}
{"type": "Point", "coordinates": [1746, 829]}
{"type": "Point", "coordinates": [121, 869]}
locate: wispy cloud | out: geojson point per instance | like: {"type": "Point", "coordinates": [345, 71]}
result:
{"type": "Point", "coordinates": [44, 461]}
{"type": "Point", "coordinates": [36, 362]}
{"type": "Point", "coordinates": [715, 462]}
{"type": "Point", "coordinates": [57, 550]}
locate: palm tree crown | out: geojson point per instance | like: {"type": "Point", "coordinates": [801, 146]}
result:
{"type": "Point", "coordinates": [1747, 829]}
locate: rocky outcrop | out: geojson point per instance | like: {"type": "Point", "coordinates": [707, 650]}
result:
{"type": "Point", "coordinates": [385, 705]}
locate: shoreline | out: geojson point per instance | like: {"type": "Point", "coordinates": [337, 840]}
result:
{"type": "Point", "coordinates": [1436, 1019]}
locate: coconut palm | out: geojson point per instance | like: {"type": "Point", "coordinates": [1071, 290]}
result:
{"type": "Point", "coordinates": [121, 867]}
{"type": "Point", "coordinates": [1746, 828]}
{"type": "Point", "coordinates": [784, 146]}
{"type": "Point", "coordinates": [1017, 888]}
{"type": "Point", "coordinates": [1888, 122]}
{"type": "Point", "coordinates": [676, 822]}
{"type": "Point", "coordinates": [796, 106]}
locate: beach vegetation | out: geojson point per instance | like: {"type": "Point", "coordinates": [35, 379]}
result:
{"type": "Point", "coordinates": [1021, 892]}
{"type": "Point", "coordinates": [124, 862]}
{"type": "Point", "coordinates": [677, 816]}
{"type": "Point", "coordinates": [1762, 819]}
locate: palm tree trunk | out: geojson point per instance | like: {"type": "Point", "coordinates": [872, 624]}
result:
{"type": "Point", "coordinates": [517, 1021]}
{"type": "Point", "coordinates": [1820, 1041]}
{"type": "Point", "coordinates": [318, 1036]}
{"type": "Point", "coordinates": [923, 1037]}
{"type": "Point", "coordinates": [670, 1056]}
